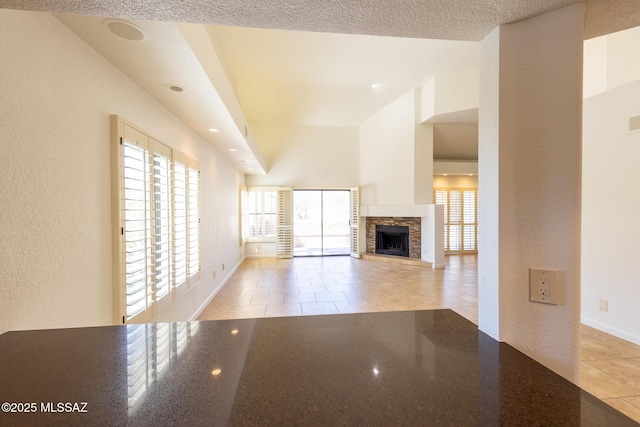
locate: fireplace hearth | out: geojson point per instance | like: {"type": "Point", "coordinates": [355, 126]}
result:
{"type": "Point", "coordinates": [392, 240]}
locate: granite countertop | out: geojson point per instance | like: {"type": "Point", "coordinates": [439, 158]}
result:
{"type": "Point", "coordinates": [376, 369]}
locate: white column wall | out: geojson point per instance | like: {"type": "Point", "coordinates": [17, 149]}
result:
{"type": "Point", "coordinates": [530, 183]}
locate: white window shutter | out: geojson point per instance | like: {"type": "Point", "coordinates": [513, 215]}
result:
{"type": "Point", "coordinates": [354, 221]}
{"type": "Point", "coordinates": [284, 244]}
{"type": "Point", "coordinates": [135, 202]}
{"type": "Point", "coordinates": [156, 223]}
{"type": "Point", "coordinates": [460, 219]}
{"type": "Point", "coordinates": [179, 225]}
{"type": "Point", "coordinates": [161, 217]}
{"type": "Point", "coordinates": [193, 221]}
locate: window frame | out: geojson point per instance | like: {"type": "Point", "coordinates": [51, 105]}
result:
{"type": "Point", "coordinates": [262, 237]}
{"type": "Point", "coordinates": [159, 216]}
{"type": "Point", "coordinates": [462, 223]}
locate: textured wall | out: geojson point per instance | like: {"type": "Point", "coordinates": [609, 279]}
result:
{"type": "Point", "coordinates": [57, 95]}
{"type": "Point", "coordinates": [530, 200]}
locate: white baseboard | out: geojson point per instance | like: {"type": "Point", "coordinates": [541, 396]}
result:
{"type": "Point", "coordinates": [611, 330]}
{"type": "Point", "coordinates": [215, 291]}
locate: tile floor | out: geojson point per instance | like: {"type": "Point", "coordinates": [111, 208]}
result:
{"type": "Point", "coordinates": [609, 367]}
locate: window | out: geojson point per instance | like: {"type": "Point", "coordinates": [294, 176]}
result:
{"type": "Point", "coordinates": [156, 205]}
{"type": "Point", "coordinates": [161, 217]}
{"type": "Point", "coordinates": [179, 224]}
{"type": "Point", "coordinates": [193, 221]}
{"type": "Point", "coordinates": [460, 219]}
{"type": "Point", "coordinates": [137, 258]}
{"type": "Point", "coordinates": [262, 213]}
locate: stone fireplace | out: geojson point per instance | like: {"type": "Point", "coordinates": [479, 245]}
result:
{"type": "Point", "coordinates": [386, 235]}
{"type": "Point", "coordinates": [392, 240]}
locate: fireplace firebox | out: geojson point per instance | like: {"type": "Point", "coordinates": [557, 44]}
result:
{"type": "Point", "coordinates": [392, 240]}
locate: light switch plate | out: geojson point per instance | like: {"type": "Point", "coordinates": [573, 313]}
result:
{"type": "Point", "coordinates": [543, 286]}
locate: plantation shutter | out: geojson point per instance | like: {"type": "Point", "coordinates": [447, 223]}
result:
{"type": "Point", "coordinates": [156, 220]}
{"type": "Point", "coordinates": [161, 218]}
{"type": "Point", "coordinates": [136, 229]}
{"type": "Point", "coordinates": [284, 243]}
{"type": "Point", "coordinates": [469, 220]}
{"type": "Point", "coordinates": [193, 218]}
{"type": "Point", "coordinates": [455, 221]}
{"type": "Point", "coordinates": [442, 198]}
{"type": "Point", "coordinates": [460, 219]}
{"type": "Point", "coordinates": [179, 224]}
{"type": "Point", "coordinates": [354, 221]}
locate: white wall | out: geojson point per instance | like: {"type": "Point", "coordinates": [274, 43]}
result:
{"type": "Point", "coordinates": [387, 154]}
{"type": "Point", "coordinates": [595, 66]}
{"type": "Point", "coordinates": [611, 61]}
{"type": "Point", "coordinates": [308, 156]}
{"type": "Point", "coordinates": [623, 63]}
{"type": "Point", "coordinates": [530, 184]}
{"type": "Point", "coordinates": [610, 204]}
{"type": "Point", "coordinates": [455, 181]}
{"type": "Point", "coordinates": [57, 95]}
{"type": "Point", "coordinates": [450, 93]}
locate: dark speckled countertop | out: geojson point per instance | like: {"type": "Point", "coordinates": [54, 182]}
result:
{"type": "Point", "coordinates": [376, 369]}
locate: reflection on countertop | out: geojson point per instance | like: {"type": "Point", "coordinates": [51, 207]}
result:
{"type": "Point", "coordinates": [429, 367]}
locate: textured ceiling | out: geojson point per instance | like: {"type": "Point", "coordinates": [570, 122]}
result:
{"type": "Point", "coordinates": [304, 79]}
{"type": "Point", "coordinates": [434, 19]}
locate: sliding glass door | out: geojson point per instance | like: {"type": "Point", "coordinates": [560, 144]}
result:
{"type": "Point", "coordinates": [321, 222]}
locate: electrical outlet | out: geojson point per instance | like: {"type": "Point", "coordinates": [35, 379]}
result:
{"type": "Point", "coordinates": [604, 305]}
{"type": "Point", "coordinates": [543, 286]}
{"type": "Point", "coordinates": [214, 274]}
{"type": "Point", "coordinates": [222, 267]}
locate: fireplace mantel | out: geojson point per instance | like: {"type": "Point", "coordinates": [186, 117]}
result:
{"type": "Point", "coordinates": [420, 211]}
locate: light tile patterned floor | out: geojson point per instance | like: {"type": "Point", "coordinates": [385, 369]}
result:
{"type": "Point", "coordinates": [609, 367]}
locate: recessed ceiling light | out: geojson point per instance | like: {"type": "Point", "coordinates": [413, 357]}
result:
{"type": "Point", "coordinates": [250, 169]}
{"type": "Point", "coordinates": [216, 372]}
{"type": "Point", "coordinates": [232, 149]}
{"type": "Point", "coordinates": [175, 88]}
{"type": "Point", "coordinates": [470, 174]}
{"type": "Point", "coordinates": [445, 174]}
{"type": "Point", "coordinates": [125, 30]}
{"type": "Point", "coordinates": [376, 85]}
{"type": "Point", "coordinates": [213, 130]}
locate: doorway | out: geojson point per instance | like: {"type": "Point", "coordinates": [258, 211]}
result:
{"type": "Point", "coordinates": [321, 222]}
